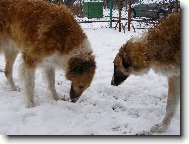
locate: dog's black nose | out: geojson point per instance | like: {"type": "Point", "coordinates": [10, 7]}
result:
{"type": "Point", "coordinates": [112, 83]}
{"type": "Point", "coordinates": [74, 100]}
{"type": "Point", "coordinates": [118, 78]}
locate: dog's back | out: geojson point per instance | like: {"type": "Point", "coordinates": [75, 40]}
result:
{"type": "Point", "coordinates": [29, 23]}
{"type": "Point", "coordinates": [163, 43]}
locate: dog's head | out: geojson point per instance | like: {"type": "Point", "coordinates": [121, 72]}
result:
{"type": "Point", "coordinates": [131, 59]}
{"type": "Point", "coordinates": [80, 73]}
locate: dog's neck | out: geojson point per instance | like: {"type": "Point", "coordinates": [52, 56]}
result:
{"type": "Point", "coordinates": [83, 52]}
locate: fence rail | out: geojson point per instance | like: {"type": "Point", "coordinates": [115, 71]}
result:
{"type": "Point", "coordinates": [119, 12]}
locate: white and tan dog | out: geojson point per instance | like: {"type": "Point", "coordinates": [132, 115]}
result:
{"type": "Point", "coordinates": [47, 36]}
{"type": "Point", "coordinates": [158, 49]}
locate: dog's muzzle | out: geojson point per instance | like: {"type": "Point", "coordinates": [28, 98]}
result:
{"type": "Point", "coordinates": [112, 82]}
{"type": "Point", "coordinates": [73, 96]}
{"type": "Point", "coordinates": [118, 77]}
{"type": "Point", "coordinates": [74, 100]}
{"type": "Point", "coordinates": [118, 81]}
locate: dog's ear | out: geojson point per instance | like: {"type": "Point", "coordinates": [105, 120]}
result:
{"type": "Point", "coordinates": [81, 67]}
{"type": "Point", "coordinates": [77, 69]}
{"type": "Point", "coordinates": [125, 64]}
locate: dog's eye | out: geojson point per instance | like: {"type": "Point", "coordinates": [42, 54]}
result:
{"type": "Point", "coordinates": [81, 87]}
{"type": "Point", "coordinates": [125, 64]}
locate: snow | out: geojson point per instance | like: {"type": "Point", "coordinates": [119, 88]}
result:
{"type": "Point", "coordinates": [155, 1]}
{"type": "Point", "coordinates": [129, 109]}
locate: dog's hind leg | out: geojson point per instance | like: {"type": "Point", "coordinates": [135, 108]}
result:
{"type": "Point", "coordinates": [172, 103]}
{"type": "Point", "coordinates": [10, 56]}
{"type": "Point", "coordinates": [28, 75]}
{"type": "Point", "coordinates": [50, 75]}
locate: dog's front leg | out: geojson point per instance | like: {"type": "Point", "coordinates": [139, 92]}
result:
{"type": "Point", "coordinates": [50, 74]}
{"type": "Point", "coordinates": [10, 56]}
{"type": "Point", "coordinates": [172, 103]}
{"type": "Point", "coordinates": [29, 77]}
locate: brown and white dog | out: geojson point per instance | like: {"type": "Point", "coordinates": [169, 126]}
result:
{"type": "Point", "coordinates": [47, 36]}
{"type": "Point", "coordinates": [159, 49]}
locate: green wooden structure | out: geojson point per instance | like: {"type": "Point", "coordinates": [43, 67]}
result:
{"type": "Point", "coordinates": [93, 9]}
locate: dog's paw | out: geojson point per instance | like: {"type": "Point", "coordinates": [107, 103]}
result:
{"type": "Point", "coordinates": [31, 105]}
{"type": "Point", "coordinates": [143, 133]}
{"type": "Point", "coordinates": [56, 98]}
{"type": "Point", "coordinates": [16, 88]}
{"type": "Point", "coordinates": [158, 128]}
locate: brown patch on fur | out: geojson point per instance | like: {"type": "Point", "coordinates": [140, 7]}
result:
{"type": "Point", "coordinates": [39, 29]}
{"type": "Point", "coordinates": [83, 70]}
{"type": "Point", "coordinates": [81, 73]}
{"type": "Point", "coordinates": [163, 43]}
{"type": "Point", "coordinates": [78, 66]}
{"type": "Point", "coordinates": [161, 48]}
{"type": "Point", "coordinates": [132, 57]}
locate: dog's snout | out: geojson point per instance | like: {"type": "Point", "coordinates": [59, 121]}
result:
{"type": "Point", "coordinates": [73, 95]}
{"type": "Point", "coordinates": [112, 82]}
{"type": "Point", "coordinates": [118, 77]}
{"type": "Point", "coordinates": [74, 100]}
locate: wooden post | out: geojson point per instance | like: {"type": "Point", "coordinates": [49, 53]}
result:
{"type": "Point", "coordinates": [176, 5]}
{"type": "Point", "coordinates": [139, 8]}
{"type": "Point", "coordinates": [111, 13]}
{"type": "Point", "coordinates": [129, 15]}
{"type": "Point", "coordinates": [120, 9]}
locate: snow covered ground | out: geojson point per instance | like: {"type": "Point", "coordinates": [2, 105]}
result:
{"type": "Point", "coordinates": [130, 109]}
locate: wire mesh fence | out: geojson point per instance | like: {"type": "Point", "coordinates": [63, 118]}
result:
{"type": "Point", "coordinates": [121, 14]}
